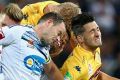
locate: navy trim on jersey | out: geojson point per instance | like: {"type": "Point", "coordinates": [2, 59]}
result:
{"type": "Point", "coordinates": [36, 42]}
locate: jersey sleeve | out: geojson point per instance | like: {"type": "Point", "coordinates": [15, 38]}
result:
{"type": "Point", "coordinates": [45, 53]}
{"type": "Point", "coordinates": [6, 36]}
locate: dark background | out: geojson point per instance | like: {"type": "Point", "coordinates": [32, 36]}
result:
{"type": "Point", "coordinates": [107, 15]}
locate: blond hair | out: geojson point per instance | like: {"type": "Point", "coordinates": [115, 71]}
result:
{"type": "Point", "coordinates": [69, 10]}
{"type": "Point", "coordinates": [14, 12]}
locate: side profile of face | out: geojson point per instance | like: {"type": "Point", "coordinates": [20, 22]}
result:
{"type": "Point", "coordinates": [1, 19]}
{"type": "Point", "coordinates": [92, 35]}
{"type": "Point", "coordinates": [55, 35]}
{"type": "Point", "coordinates": [7, 21]}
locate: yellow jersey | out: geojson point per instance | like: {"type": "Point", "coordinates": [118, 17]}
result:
{"type": "Point", "coordinates": [33, 12]}
{"type": "Point", "coordinates": [82, 65]}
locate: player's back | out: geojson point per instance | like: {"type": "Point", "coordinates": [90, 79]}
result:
{"type": "Point", "coordinates": [33, 12]}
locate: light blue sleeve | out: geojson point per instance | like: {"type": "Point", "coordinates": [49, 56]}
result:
{"type": "Point", "coordinates": [6, 36]}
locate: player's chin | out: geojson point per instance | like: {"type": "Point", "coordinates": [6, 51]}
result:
{"type": "Point", "coordinates": [55, 50]}
{"type": "Point", "coordinates": [99, 44]}
{"type": "Point", "coordinates": [55, 53]}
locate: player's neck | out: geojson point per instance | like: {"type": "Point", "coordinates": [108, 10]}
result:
{"type": "Point", "coordinates": [88, 48]}
{"type": "Point", "coordinates": [38, 31]}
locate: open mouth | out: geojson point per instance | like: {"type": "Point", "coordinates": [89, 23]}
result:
{"type": "Point", "coordinates": [97, 39]}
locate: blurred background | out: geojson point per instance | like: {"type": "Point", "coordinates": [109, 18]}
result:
{"type": "Point", "coordinates": [107, 15]}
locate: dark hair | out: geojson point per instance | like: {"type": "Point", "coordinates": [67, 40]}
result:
{"type": "Point", "coordinates": [79, 21]}
{"type": "Point", "coordinates": [14, 12]}
{"type": "Point", "coordinates": [57, 18]}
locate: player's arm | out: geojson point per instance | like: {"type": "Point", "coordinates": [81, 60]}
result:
{"type": "Point", "coordinates": [104, 76]}
{"type": "Point", "coordinates": [52, 71]}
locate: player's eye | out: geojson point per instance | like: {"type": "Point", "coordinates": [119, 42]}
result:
{"type": "Point", "coordinates": [3, 24]}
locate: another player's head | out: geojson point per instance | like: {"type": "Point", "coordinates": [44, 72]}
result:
{"type": "Point", "coordinates": [68, 10]}
{"type": "Point", "coordinates": [51, 30]}
{"type": "Point", "coordinates": [13, 14]}
{"type": "Point", "coordinates": [86, 31]}
{"type": "Point", "coordinates": [51, 8]}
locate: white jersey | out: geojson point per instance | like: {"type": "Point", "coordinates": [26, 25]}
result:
{"type": "Point", "coordinates": [23, 55]}
{"type": "Point", "coordinates": [0, 59]}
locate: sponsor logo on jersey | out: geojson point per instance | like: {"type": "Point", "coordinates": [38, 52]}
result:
{"type": "Point", "coordinates": [67, 76]}
{"type": "Point", "coordinates": [35, 64]}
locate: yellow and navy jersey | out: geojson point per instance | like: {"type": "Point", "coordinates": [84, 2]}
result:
{"type": "Point", "coordinates": [82, 65]}
{"type": "Point", "coordinates": [33, 12]}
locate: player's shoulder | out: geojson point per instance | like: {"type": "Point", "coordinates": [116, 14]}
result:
{"type": "Point", "coordinates": [19, 29]}
{"type": "Point", "coordinates": [73, 68]}
{"type": "Point", "coordinates": [75, 61]}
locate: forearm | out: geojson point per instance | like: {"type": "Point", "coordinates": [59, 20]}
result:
{"type": "Point", "coordinates": [53, 72]}
{"type": "Point", "coordinates": [104, 76]}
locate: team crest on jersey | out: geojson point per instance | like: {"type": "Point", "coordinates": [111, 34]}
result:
{"type": "Point", "coordinates": [34, 63]}
{"type": "Point", "coordinates": [78, 68]}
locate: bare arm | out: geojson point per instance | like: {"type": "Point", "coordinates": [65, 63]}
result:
{"type": "Point", "coordinates": [104, 76]}
{"type": "Point", "coordinates": [53, 72]}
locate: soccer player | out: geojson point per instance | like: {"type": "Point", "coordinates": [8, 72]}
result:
{"type": "Point", "coordinates": [32, 12]}
{"type": "Point", "coordinates": [25, 54]}
{"type": "Point", "coordinates": [11, 15]}
{"type": "Point", "coordinates": [85, 61]}
{"type": "Point", "coordinates": [67, 11]}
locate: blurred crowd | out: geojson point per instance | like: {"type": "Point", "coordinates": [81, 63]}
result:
{"type": "Point", "coordinates": [106, 13]}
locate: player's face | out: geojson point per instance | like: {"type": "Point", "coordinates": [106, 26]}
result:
{"type": "Point", "coordinates": [55, 35]}
{"type": "Point", "coordinates": [92, 35]}
{"type": "Point", "coordinates": [7, 21]}
{"type": "Point", "coordinates": [1, 20]}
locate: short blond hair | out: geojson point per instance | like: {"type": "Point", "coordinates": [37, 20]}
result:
{"type": "Point", "coordinates": [14, 12]}
{"type": "Point", "coordinates": [69, 10]}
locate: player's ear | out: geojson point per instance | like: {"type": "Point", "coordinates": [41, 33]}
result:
{"type": "Point", "coordinates": [49, 22]}
{"type": "Point", "coordinates": [80, 38]}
